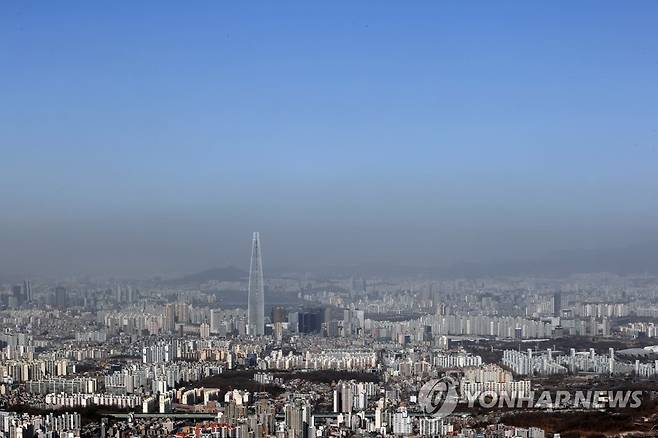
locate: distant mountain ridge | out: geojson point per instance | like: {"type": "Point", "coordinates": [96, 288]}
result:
{"type": "Point", "coordinates": [230, 273]}
{"type": "Point", "coordinates": [634, 259]}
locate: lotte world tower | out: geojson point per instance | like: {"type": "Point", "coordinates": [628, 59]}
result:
{"type": "Point", "coordinates": [256, 298]}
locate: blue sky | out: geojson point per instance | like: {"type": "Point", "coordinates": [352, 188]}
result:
{"type": "Point", "coordinates": [154, 136]}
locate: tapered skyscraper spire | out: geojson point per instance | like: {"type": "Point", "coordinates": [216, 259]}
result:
{"type": "Point", "coordinates": [256, 299]}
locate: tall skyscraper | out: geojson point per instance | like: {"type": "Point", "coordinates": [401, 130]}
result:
{"type": "Point", "coordinates": [256, 298]}
{"type": "Point", "coordinates": [18, 295]}
{"type": "Point", "coordinates": [169, 323]}
{"type": "Point", "coordinates": [557, 303]}
{"type": "Point", "coordinates": [27, 287]}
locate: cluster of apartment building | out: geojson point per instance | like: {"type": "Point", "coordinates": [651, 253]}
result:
{"type": "Point", "coordinates": [17, 425]}
{"type": "Point", "coordinates": [85, 400]}
{"type": "Point", "coordinates": [76, 385]}
{"type": "Point", "coordinates": [158, 377]}
{"type": "Point", "coordinates": [639, 329]}
{"type": "Point", "coordinates": [35, 369]}
{"type": "Point", "coordinates": [492, 378]}
{"type": "Point", "coordinates": [549, 362]}
{"type": "Point", "coordinates": [324, 360]}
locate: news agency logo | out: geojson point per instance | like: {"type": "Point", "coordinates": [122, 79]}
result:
{"type": "Point", "coordinates": [439, 397]}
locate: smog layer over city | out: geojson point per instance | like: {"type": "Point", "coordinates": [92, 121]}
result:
{"type": "Point", "coordinates": [329, 219]}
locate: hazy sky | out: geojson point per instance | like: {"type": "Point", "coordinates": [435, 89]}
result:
{"type": "Point", "coordinates": [146, 137]}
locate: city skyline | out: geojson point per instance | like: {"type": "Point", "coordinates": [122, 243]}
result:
{"type": "Point", "coordinates": [457, 202]}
